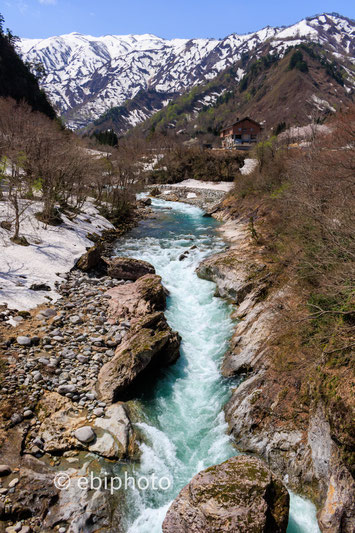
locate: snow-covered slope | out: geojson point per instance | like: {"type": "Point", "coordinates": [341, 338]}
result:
{"type": "Point", "coordinates": [86, 76]}
{"type": "Point", "coordinates": [53, 250]}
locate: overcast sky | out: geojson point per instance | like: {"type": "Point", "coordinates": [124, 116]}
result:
{"type": "Point", "coordinates": [165, 18]}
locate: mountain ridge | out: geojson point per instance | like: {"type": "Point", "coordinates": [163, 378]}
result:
{"type": "Point", "coordinates": [87, 76]}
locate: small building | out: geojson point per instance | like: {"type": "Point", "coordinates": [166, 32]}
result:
{"type": "Point", "coordinates": [242, 133]}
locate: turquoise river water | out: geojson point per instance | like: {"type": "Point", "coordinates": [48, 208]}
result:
{"type": "Point", "coordinates": [184, 427]}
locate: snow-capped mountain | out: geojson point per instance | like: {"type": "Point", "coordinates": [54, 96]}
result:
{"type": "Point", "coordinates": [86, 76]}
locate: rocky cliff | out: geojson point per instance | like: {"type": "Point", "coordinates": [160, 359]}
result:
{"type": "Point", "coordinates": [271, 412]}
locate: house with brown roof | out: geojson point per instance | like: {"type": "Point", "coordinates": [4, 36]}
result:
{"type": "Point", "coordinates": [242, 133]}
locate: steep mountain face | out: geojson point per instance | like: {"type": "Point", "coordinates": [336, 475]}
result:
{"type": "Point", "coordinates": [297, 86]}
{"type": "Point", "coordinates": [87, 76]}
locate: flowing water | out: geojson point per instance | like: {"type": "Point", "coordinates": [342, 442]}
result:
{"type": "Point", "coordinates": [184, 430]}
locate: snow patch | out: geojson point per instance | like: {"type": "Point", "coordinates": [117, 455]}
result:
{"type": "Point", "coordinates": [52, 251]}
{"type": "Point", "coordinates": [249, 166]}
{"type": "Point", "coordinates": [212, 185]}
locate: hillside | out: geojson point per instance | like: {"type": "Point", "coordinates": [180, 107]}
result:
{"type": "Point", "coordinates": [304, 84]}
{"type": "Point", "coordinates": [16, 80]}
{"type": "Point", "coordinates": [87, 76]}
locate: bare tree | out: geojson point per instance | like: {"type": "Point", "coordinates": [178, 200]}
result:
{"type": "Point", "coordinates": [14, 122]}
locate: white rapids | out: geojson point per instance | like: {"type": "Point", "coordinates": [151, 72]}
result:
{"type": "Point", "coordinates": [184, 428]}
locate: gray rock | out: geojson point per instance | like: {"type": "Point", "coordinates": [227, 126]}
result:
{"type": "Point", "coordinates": [47, 313]}
{"type": "Point", "coordinates": [36, 451]}
{"type": "Point", "coordinates": [66, 389]}
{"type": "Point", "coordinates": [82, 358]}
{"type": "Point", "coordinates": [85, 434]}
{"type": "Point", "coordinates": [91, 395]}
{"type": "Point", "coordinates": [23, 341]}
{"type": "Point", "coordinates": [75, 319]}
{"type": "Point", "coordinates": [18, 319]}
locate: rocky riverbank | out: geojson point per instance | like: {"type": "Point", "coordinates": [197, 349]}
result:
{"type": "Point", "coordinates": [269, 413]}
{"type": "Point", "coordinates": [62, 367]}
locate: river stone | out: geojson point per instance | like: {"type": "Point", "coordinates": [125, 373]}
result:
{"type": "Point", "coordinates": [240, 495]}
{"type": "Point", "coordinates": [23, 341]}
{"type": "Point", "coordinates": [85, 434]}
{"type": "Point", "coordinates": [66, 389]}
{"type": "Point", "coordinates": [127, 268]}
{"type": "Point", "coordinates": [75, 319]}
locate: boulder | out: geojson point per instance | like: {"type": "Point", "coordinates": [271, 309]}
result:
{"type": "Point", "coordinates": [40, 287]}
{"type": "Point", "coordinates": [78, 509]}
{"type": "Point", "coordinates": [115, 438]}
{"type": "Point", "coordinates": [150, 345]}
{"type": "Point", "coordinates": [240, 495]}
{"type": "Point", "coordinates": [138, 299]}
{"type": "Point", "coordinates": [183, 256]}
{"type": "Point", "coordinates": [232, 276]}
{"type": "Point", "coordinates": [58, 420]}
{"type": "Point", "coordinates": [62, 429]}
{"type": "Point", "coordinates": [127, 268]}
{"type": "Point", "coordinates": [144, 202]}
{"type": "Point", "coordinates": [91, 259]}
{"type": "Point", "coordinates": [85, 434]}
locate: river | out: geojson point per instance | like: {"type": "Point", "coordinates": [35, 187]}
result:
{"type": "Point", "coordinates": [184, 429]}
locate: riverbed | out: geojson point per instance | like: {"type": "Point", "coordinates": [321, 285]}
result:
{"type": "Point", "coordinates": [183, 429]}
